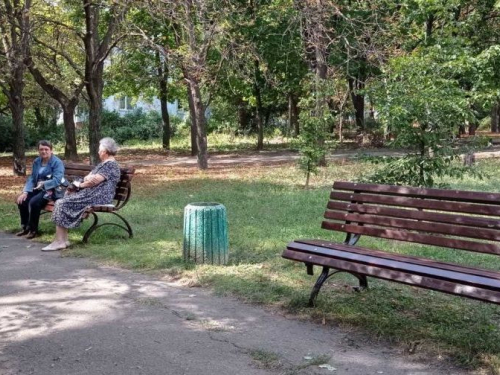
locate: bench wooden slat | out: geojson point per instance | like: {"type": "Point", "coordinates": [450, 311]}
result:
{"type": "Point", "coordinates": [397, 264]}
{"type": "Point", "coordinates": [396, 275]}
{"type": "Point", "coordinates": [456, 195]}
{"type": "Point", "coordinates": [399, 257]}
{"type": "Point", "coordinates": [391, 222]}
{"type": "Point", "coordinates": [406, 236]}
{"type": "Point", "coordinates": [473, 221]}
{"type": "Point", "coordinates": [480, 209]}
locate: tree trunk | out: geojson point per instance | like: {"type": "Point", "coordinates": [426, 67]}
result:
{"type": "Point", "coordinates": [258, 119]}
{"type": "Point", "coordinates": [16, 105]}
{"type": "Point", "coordinates": [163, 82]}
{"type": "Point", "coordinates": [358, 101]}
{"type": "Point", "coordinates": [243, 116]}
{"type": "Point", "coordinates": [165, 116]}
{"type": "Point", "coordinates": [293, 115]}
{"type": "Point", "coordinates": [321, 102]}
{"type": "Point", "coordinates": [15, 32]}
{"type": "Point", "coordinates": [192, 115]}
{"type": "Point", "coordinates": [258, 110]}
{"type": "Point", "coordinates": [495, 117]}
{"type": "Point", "coordinates": [70, 150]}
{"type": "Point", "coordinates": [201, 125]}
{"type": "Point", "coordinates": [472, 128]}
{"type": "Point", "coordinates": [98, 42]}
{"type": "Point", "coordinates": [94, 90]}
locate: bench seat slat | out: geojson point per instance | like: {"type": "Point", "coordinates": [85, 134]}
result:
{"type": "Point", "coordinates": [384, 221]}
{"type": "Point", "coordinates": [471, 208]}
{"type": "Point", "coordinates": [456, 195]}
{"type": "Point", "coordinates": [398, 263]}
{"type": "Point", "coordinates": [406, 236]}
{"type": "Point", "coordinates": [402, 258]}
{"type": "Point", "coordinates": [398, 276]}
{"type": "Point", "coordinates": [473, 221]}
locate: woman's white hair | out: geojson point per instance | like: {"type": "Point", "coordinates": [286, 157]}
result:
{"type": "Point", "coordinates": [109, 145]}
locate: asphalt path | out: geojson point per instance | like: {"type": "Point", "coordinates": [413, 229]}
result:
{"type": "Point", "coordinates": [64, 315]}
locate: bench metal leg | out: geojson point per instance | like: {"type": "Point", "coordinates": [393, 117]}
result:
{"type": "Point", "coordinates": [317, 286]}
{"type": "Point", "coordinates": [325, 274]}
{"type": "Point", "coordinates": [94, 226]}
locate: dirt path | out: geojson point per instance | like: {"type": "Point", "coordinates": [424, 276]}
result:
{"type": "Point", "coordinates": [68, 316]}
{"type": "Point", "coordinates": [268, 157]}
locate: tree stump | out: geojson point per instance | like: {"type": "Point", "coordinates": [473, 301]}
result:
{"type": "Point", "coordinates": [205, 233]}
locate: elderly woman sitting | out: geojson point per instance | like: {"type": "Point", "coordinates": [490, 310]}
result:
{"type": "Point", "coordinates": [98, 187]}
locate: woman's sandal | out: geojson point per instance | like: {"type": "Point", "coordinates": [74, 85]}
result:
{"type": "Point", "coordinates": [55, 248]}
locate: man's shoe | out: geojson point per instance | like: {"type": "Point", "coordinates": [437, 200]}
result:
{"type": "Point", "coordinates": [23, 232]}
{"type": "Point", "coordinates": [31, 235]}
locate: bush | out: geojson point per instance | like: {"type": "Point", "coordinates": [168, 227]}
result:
{"type": "Point", "coordinates": [134, 125]}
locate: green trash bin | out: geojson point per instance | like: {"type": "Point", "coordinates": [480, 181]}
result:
{"type": "Point", "coordinates": [205, 233]}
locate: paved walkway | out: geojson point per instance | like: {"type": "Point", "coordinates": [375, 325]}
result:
{"type": "Point", "coordinates": [68, 316]}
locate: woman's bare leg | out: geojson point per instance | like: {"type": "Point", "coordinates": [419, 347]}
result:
{"type": "Point", "coordinates": [61, 235]}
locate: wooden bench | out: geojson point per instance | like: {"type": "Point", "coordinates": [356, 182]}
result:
{"type": "Point", "coordinates": [122, 195]}
{"type": "Point", "coordinates": [461, 220]}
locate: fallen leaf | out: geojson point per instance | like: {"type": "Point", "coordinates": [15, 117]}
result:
{"type": "Point", "coordinates": [328, 367]}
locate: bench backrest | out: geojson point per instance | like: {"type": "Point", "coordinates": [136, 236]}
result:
{"type": "Point", "coordinates": [123, 188]}
{"type": "Point", "coordinates": [448, 218]}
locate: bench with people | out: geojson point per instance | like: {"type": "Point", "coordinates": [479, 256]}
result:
{"type": "Point", "coordinates": [101, 188]}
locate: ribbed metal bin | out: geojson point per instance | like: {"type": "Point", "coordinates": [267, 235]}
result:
{"type": "Point", "coordinates": [205, 233]}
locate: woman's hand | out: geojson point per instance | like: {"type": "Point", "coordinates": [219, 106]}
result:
{"type": "Point", "coordinates": [21, 198]}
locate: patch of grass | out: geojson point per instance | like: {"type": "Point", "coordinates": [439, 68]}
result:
{"type": "Point", "coordinates": [266, 359]}
{"type": "Point", "coordinates": [217, 142]}
{"type": "Point", "coordinates": [268, 207]}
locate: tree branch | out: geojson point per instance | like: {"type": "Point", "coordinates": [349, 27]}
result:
{"type": "Point", "coordinates": [63, 54]}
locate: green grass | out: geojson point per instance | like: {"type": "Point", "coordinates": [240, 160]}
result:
{"type": "Point", "coordinates": [266, 208]}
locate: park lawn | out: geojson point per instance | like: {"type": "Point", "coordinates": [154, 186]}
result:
{"type": "Point", "coordinates": [267, 207]}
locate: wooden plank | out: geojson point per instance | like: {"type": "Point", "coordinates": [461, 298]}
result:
{"type": "Point", "coordinates": [473, 221]}
{"type": "Point", "coordinates": [384, 221]}
{"type": "Point", "coordinates": [399, 257]}
{"type": "Point", "coordinates": [479, 209]}
{"type": "Point", "coordinates": [395, 264]}
{"type": "Point", "coordinates": [425, 239]}
{"type": "Point", "coordinates": [454, 195]}
{"type": "Point", "coordinates": [398, 276]}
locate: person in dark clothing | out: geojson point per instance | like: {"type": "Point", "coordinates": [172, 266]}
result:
{"type": "Point", "coordinates": [46, 174]}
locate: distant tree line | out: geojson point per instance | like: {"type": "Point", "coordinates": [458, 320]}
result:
{"type": "Point", "coordinates": [416, 72]}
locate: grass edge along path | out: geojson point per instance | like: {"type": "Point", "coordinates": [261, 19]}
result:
{"type": "Point", "coordinates": [267, 207]}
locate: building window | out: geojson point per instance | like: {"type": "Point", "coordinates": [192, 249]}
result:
{"type": "Point", "coordinates": [125, 104]}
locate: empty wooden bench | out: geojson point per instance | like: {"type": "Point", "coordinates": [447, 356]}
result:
{"type": "Point", "coordinates": [74, 171]}
{"type": "Point", "coordinates": [459, 220]}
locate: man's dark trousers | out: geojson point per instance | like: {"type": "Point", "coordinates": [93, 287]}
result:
{"type": "Point", "coordinates": [30, 210]}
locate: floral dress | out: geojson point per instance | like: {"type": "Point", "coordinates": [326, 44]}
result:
{"type": "Point", "coordinates": [68, 211]}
